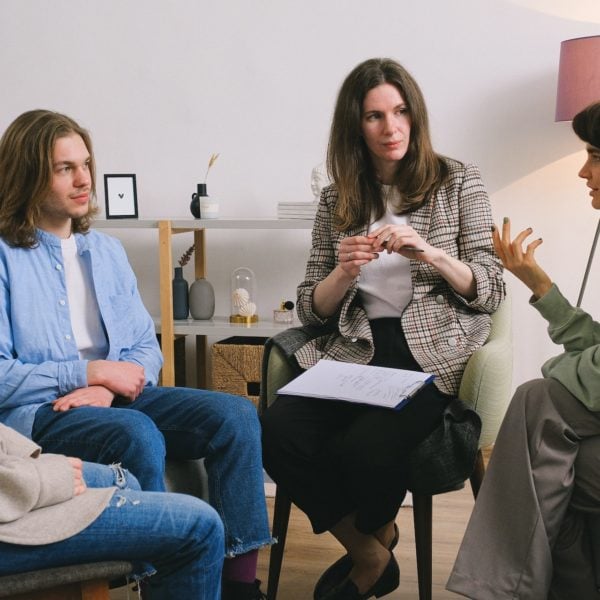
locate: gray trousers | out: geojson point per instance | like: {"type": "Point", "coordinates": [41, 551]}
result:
{"type": "Point", "coordinates": [528, 536]}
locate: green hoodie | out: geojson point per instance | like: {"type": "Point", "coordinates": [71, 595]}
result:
{"type": "Point", "coordinates": [578, 367]}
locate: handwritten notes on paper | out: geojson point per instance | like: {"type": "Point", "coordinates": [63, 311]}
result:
{"type": "Point", "coordinates": [364, 384]}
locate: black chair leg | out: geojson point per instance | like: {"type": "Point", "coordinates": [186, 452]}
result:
{"type": "Point", "coordinates": [422, 516]}
{"type": "Point", "coordinates": [281, 517]}
{"type": "Point", "coordinates": [478, 473]}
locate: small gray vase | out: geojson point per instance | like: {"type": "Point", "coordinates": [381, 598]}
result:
{"type": "Point", "coordinates": [202, 300]}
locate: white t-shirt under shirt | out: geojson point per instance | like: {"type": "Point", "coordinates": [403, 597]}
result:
{"type": "Point", "coordinates": [85, 315]}
{"type": "Point", "coordinates": [385, 285]}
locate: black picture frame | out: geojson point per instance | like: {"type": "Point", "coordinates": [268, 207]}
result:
{"type": "Point", "coordinates": [120, 196]}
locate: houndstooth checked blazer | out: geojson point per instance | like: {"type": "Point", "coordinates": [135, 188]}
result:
{"type": "Point", "coordinates": [442, 327]}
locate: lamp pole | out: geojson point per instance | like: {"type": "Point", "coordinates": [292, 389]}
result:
{"type": "Point", "coordinates": [589, 265]}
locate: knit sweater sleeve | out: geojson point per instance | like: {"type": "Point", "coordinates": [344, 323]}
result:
{"type": "Point", "coordinates": [29, 481]}
{"type": "Point", "coordinates": [37, 505]}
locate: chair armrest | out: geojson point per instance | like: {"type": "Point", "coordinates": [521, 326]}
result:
{"type": "Point", "coordinates": [279, 372]}
{"type": "Point", "coordinates": [487, 379]}
{"type": "Point", "coordinates": [279, 366]}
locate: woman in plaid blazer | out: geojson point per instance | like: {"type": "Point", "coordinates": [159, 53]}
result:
{"type": "Point", "coordinates": [402, 273]}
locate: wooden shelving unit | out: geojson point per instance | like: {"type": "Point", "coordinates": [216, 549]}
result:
{"type": "Point", "coordinates": [218, 325]}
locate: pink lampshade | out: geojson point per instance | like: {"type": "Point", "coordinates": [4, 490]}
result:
{"type": "Point", "coordinates": [578, 76]}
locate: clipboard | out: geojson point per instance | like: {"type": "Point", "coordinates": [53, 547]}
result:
{"type": "Point", "coordinates": [362, 384]}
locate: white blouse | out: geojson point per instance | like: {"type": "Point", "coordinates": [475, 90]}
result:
{"type": "Point", "coordinates": [385, 286]}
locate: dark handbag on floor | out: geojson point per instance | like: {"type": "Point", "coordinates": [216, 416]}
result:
{"type": "Point", "coordinates": [445, 459]}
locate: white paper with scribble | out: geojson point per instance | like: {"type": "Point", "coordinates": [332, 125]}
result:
{"type": "Point", "coordinates": [363, 384]}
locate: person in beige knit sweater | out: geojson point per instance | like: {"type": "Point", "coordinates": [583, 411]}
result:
{"type": "Point", "coordinates": [51, 516]}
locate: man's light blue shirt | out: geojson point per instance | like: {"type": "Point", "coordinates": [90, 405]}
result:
{"type": "Point", "coordinates": [39, 361]}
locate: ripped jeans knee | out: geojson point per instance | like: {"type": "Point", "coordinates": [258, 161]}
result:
{"type": "Point", "coordinates": [99, 476]}
{"type": "Point", "coordinates": [123, 479]}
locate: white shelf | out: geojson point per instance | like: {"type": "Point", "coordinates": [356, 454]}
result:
{"type": "Point", "coordinates": [221, 327]}
{"type": "Point", "coordinates": [224, 223]}
{"type": "Point", "coordinates": [125, 224]}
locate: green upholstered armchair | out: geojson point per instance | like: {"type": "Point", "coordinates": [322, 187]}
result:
{"type": "Point", "coordinates": [486, 387]}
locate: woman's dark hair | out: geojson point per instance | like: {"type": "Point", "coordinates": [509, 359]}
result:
{"type": "Point", "coordinates": [586, 124]}
{"type": "Point", "coordinates": [26, 150]}
{"type": "Point", "coordinates": [348, 160]}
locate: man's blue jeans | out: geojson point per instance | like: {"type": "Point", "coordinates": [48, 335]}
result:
{"type": "Point", "coordinates": [177, 536]}
{"type": "Point", "coordinates": [181, 423]}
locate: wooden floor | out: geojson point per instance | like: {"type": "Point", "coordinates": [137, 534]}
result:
{"type": "Point", "coordinates": [307, 555]}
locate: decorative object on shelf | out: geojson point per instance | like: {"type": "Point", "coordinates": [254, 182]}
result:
{"type": "Point", "coordinates": [243, 296]}
{"type": "Point", "coordinates": [284, 314]}
{"type": "Point", "coordinates": [306, 210]}
{"type": "Point", "coordinates": [180, 287]}
{"type": "Point", "coordinates": [120, 196]}
{"type": "Point", "coordinates": [202, 300]}
{"type": "Point", "coordinates": [185, 257]}
{"type": "Point", "coordinates": [180, 295]}
{"type": "Point", "coordinates": [204, 206]}
{"type": "Point", "coordinates": [297, 210]}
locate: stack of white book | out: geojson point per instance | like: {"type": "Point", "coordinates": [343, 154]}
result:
{"type": "Point", "coordinates": [297, 210]}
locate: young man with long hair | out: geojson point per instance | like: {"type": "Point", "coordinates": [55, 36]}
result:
{"type": "Point", "coordinates": [79, 359]}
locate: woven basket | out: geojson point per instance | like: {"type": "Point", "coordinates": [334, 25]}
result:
{"type": "Point", "coordinates": [236, 366]}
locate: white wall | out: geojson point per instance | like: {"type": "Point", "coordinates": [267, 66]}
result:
{"type": "Point", "coordinates": [162, 85]}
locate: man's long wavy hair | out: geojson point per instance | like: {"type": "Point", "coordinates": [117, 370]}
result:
{"type": "Point", "coordinates": [586, 124]}
{"type": "Point", "coordinates": [26, 171]}
{"type": "Point", "coordinates": [349, 163]}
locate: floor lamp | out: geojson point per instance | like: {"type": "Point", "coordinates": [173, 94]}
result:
{"type": "Point", "coordinates": [579, 86]}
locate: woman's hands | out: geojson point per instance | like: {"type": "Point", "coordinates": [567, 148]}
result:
{"type": "Point", "coordinates": [355, 252]}
{"type": "Point", "coordinates": [521, 263]}
{"type": "Point", "coordinates": [402, 239]}
{"type": "Point", "coordinates": [360, 250]}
